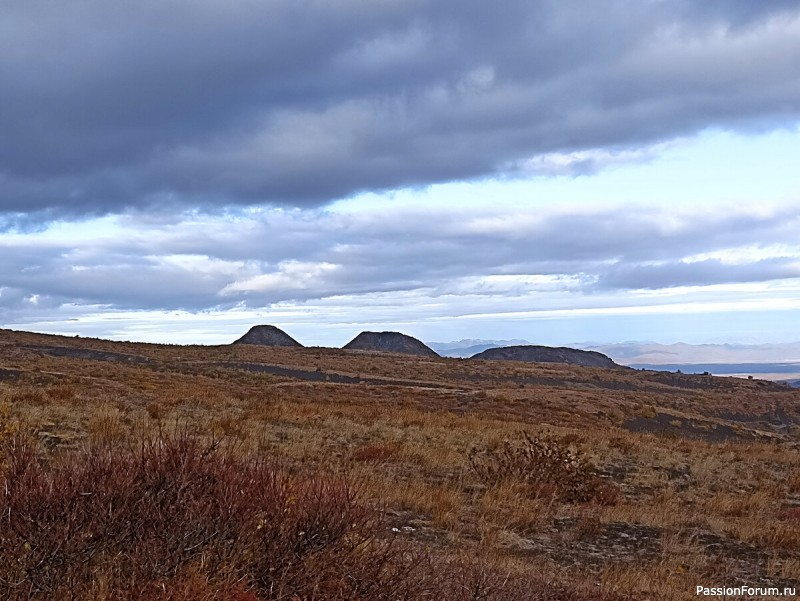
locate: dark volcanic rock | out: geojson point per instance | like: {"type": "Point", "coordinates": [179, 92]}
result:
{"type": "Point", "coordinates": [547, 354]}
{"type": "Point", "coordinates": [389, 342]}
{"type": "Point", "coordinates": [268, 336]}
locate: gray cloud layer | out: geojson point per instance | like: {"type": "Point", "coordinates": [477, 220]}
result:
{"type": "Point", "coordinates": [111, 106]}
{"type": "Point", "coordinates": [299, 256]}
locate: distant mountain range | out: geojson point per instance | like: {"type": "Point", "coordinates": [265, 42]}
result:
{"type": "Point", "coordinates": [780, 362]}
{"type": "Point", "coordinates": [661, 354]}
{"type": "Point", "coordinates": [777, 362]}
{"type": "Point", "coordinates": [629, 353]}
{"type": "Point", "coordinates": [471, 346]}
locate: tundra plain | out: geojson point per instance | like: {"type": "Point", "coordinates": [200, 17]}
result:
{"type": "Point", "coordinates": [480, 479]}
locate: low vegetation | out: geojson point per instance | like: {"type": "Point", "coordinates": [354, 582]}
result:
{"type": "Point", "coordinates": [174, 518]}
{"type": "Point", "coordinates": [233, 473]}
{"type": "Point", "coordinates": [545, 466]}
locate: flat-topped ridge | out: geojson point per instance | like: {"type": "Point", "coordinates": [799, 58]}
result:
{"type": "Point", "coordinates": [547, 354]}
{"type": "Point", "coordinates": [390, 342]}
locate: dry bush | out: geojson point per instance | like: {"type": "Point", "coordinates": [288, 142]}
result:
{"type": "Point", "coordinates": [740, 504]}
{"type": "Point", "coordinates": [156, 410]}
{"type": "Point", "coordinates": [7, 427]}
{"type": "Point", "coordinates": [138, 523]}
{"type": "Point", "coordinates": [195, 587]}
{"type": "Point", "coordinates": [374, 453]}
{"type": "Point", "coordinates": [547, 466]}
{"type": "Point", "coordinates": [175, 519]}
{"type": "Point", "coordinates": [106, 425]}
{"type": "Point", "coordinates": [28, 395]}
{"type": "Point", "coordinates": [793, 514]}
{"type": "Point", "coordinates": [7, 430]}
{"type": "Point", "coordinates": [780, 534]}
{"type": "Point", "coordinates": [63, 393]}
{"type": "Point", "coordinates": [485, 579]}
{"type": "Point", "coordinates": [510, 506]}
{"type": "Point", "coordinates": [625, 445]}
{"type": "Point", "coordinates": [793, 482]}
{"type": "Point", "coordinates": [229, 426]}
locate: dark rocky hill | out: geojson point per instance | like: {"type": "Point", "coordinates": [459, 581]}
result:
{"type": "Point", "coordinates": [268, 336]}
{"type": "Point", "coordinates": [547, 354]}
{"type": "Point", "coordinates": [389, 342]}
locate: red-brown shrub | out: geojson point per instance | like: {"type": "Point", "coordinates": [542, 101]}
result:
{"type": "Point", "coordinates": [793, 514]}
{"type": "Point", "coordinates": [178, 520]}
{"type": "Point", "coordinates": [141, 521]}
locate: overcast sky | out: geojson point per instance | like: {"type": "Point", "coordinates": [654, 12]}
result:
{"type": "Point", "coordinates": [562, 172]}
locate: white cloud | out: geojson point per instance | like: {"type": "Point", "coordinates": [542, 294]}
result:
{"type": "Point", "coordinates": [290, 276]}
{"type": "Point", "coordinates": [582, 162]}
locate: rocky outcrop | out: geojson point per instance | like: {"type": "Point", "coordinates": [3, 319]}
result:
{"type": "Point", "coordinates": [547, 354]}
{"type": "Point", "coordinates": [268, 336]}
{"type": "Point", "coordinates": [389, 342]}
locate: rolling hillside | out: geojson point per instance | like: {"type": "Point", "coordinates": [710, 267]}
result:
{"type": "Point", "coordinates": [676, 479]}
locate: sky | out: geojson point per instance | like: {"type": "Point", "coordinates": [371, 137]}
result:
{"type": "Point", "coordinates": [560, 172]}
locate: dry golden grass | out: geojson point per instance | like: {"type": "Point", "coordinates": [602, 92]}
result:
{"type": "Point", "coordinates": [692, 506]}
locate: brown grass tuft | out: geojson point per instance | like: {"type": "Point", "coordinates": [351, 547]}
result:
{"type": "Point", "coordinates": [547, 466]}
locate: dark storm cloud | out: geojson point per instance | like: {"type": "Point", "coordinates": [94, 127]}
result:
{"type": "Point", "coordinates": [112, 106]}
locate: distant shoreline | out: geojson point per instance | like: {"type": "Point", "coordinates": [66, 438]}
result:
{"type": "Point", "coordinates": [788, 373]}
{"type": "Point", "coordinates": [723, 368]}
